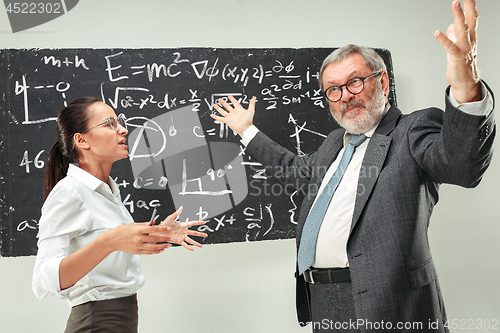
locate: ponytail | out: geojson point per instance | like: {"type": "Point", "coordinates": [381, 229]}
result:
{"type": "Point", "coordinates": [72, 119]}
{"type": "Point", "coordinates": [57, 168]}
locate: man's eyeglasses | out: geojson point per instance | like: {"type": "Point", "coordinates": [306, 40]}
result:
{"type": "Point", "coordinates": [354, 86]}
{"type": "Point", "coordinates": [112, 122]}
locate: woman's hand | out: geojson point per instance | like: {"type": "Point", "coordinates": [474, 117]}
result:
{"type": "Point", "coordinates": [179, 231]}
{"type": "Point", "coordinates": [134, 238]}
{"type": "Point", "coordinates": [139, 238]}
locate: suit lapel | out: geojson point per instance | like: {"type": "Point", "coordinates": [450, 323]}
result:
{"type": "Point", "coordinates": [374, 159]}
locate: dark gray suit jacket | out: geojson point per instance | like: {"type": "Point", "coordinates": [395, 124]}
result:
{"type": "Point", "coordinates": [409, 156]}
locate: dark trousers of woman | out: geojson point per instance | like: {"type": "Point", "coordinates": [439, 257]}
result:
{"type": "Point", "coordinates": [118, 315]}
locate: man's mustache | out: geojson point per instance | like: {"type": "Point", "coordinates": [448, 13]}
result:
{"type": "Point", "coordinates": [354, 103]}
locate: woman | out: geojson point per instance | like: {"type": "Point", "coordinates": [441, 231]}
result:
{"type": "Point", "coordinates": [88, 243]}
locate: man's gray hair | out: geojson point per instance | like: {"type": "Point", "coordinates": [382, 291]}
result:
{"type": "Point", "coordinates": [372, 59]}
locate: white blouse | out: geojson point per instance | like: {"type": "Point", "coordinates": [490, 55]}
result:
{"type": "Point", "coordinates": [78, 209]}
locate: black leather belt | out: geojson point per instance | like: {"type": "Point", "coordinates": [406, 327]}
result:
{"type": "Point", "coordinates": [327, 275]}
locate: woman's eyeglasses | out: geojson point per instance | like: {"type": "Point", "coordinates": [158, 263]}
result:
{"type": "Point", "coordinates": [112, 122]}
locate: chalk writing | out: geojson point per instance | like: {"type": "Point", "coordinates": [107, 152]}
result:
{"type": "Point", "coordinates": [37, 162]}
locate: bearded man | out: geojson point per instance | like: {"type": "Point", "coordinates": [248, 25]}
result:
{"type": "Point", "coordinates": [363, 257]}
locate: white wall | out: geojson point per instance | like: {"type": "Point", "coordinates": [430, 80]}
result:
{"type": "Point", "coordinates": [249, 287]}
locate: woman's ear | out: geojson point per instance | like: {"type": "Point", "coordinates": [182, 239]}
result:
{"type": "Point", "coordinates": [80, 141]}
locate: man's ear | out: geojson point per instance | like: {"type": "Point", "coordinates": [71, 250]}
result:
{"type": "Point", "coordinates": [80, 141]}
{"type": "Point", "coordinates": [385, 83]}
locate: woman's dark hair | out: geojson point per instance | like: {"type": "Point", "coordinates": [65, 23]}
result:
{"type": "Point", "coordinates": [72, 119]}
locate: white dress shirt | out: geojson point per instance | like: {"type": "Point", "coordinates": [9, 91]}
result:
{"type": "Point", "coordinates": [331, 250]}
{"type": "Point", "coordinates": [78, 209]}
{"type": "Point", "coordinates": [336, 226]}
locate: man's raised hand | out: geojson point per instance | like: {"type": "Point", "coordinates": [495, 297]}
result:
{"type": "Point", "coordinates": [461, 45]}
{"type": "Point", "coordinates": [236, 117]}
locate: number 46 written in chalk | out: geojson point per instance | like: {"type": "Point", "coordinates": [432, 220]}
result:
{"type": "Point", "coordinates": [37, 162]}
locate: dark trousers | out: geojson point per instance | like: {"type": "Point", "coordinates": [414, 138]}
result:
{"type": "Point", "coordinates": [118, 315]}
{"type": "Point", "coordinates": [332, 308]}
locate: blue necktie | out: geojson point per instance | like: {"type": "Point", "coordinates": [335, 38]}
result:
{"type": "Point", "coordinates": [307, 248]}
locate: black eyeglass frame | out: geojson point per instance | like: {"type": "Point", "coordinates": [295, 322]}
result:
{"type": "Point", "coordinates": [346, 86]}
{"type": "Point", "coordinates": [120, 120]}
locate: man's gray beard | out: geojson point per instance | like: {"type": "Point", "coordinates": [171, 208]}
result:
{"type": "Point", "coordinates": [369, 118]}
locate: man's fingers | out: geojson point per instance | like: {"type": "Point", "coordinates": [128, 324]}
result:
{"type": "Point", "coordinates": [459, 17]}
{"type": "Point", "coordinates": [220, 110]}
{"type": "Point", "coordinates": [451, 33]}
{"type": "Point", "coordinates": [465, 20]}
{"type": "Point", "coordinates": [471, 16]}
{"type": "Point", "coordinates": [227, 108]}
{"type": "Point", "coordinates": [447, 44]}
{"type": "Point", "coordinates": [234, 101]}
{"type": "Point", "coordinates": [225, 104]}
{"type": "Point", "coordinates": [218, 118]}
{"type": "Point", "coordinates": [251, 105]}
{"type": "Point", "coordinates": [461, 35]}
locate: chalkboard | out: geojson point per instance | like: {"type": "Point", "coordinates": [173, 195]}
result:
{"type": "Point", "coordinates": [178, 154]}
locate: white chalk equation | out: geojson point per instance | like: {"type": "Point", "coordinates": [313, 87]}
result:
{"type": "Point", "coordinates": [281, 82]}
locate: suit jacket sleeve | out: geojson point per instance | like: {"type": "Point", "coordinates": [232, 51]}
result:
{"type": "Point", "coordinates": [454, 149]}
{"type": "Point", "coordinates": [283, 165]}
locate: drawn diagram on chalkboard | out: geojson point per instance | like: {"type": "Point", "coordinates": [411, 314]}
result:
{"type": "Point", "coordinates": [168, 152]}
{"type": "Point", "coordinates": [299, 128]}
{"type": "Point", "coordinates": [22, 88]}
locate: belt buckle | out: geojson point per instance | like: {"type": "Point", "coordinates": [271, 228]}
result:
{"type": "Point", "coordinates": [311, 278]}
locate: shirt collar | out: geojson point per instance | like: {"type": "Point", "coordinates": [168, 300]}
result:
{"type": "Point", "coordinates": [94, 183]}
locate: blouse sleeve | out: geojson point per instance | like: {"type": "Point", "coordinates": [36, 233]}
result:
{"type": "Point", "coordinates": [64, 217]}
